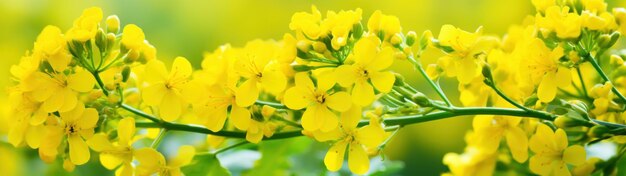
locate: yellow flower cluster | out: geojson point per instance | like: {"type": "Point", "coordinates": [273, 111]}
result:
{"type": "Point", "coordinates": [99, 85]}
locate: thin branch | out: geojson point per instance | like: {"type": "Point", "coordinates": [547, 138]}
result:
{"type": "Point", "coordinates": [418, 66]}
{"type": "Point", "coordinates": [596, 66]}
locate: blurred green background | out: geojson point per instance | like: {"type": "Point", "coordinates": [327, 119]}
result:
{"type": "Point", "coordinates": [190, 27]}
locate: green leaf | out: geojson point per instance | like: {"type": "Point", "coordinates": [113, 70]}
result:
{"type": "Point", "coordinates": [275, 156]}
{"type": "Point", "coordinates": [205, 165]}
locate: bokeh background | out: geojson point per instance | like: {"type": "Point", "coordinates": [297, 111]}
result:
{"type": "Point", "coordinates": [190, 27]}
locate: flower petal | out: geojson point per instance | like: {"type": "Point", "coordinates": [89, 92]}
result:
{"type": "Point", "coordinates": [155, 72]}
{"type": "Point", "coordinates": [110, 161]}
{"type": "Point", "coordinates": [81, 81]}
{"type": "Point", "coordinates": [310, 121]}
{"type": "Point", "coordinates": [153, 94]}
{"type": "Point", "coordinates": [518, 144]}
{"type": "Point", "coordinates": [100, 142]}
{"type": "Point", "coordinates": [334, 157]}
{"type": "Point", "coordinates": [181, 68]}
{"type": "Point", "coordinates": [297, 97]}
{"type": "Point", "coordinates": [560, 139]}
{"type": "Point", "coordinates": [383, 81]}
{"type": "Point", "coordinates": [150, 161]}
{"type": "Point", "coordinates": [383, 59]}
{"type": "Point", "coordinates": [547, 87]}
{"type": "Point", "coordinates": [346, 75]}
{"type": "Point", "coordinates": [184, 156]}
{"type": "Point", "coordinates": [273, 81]}
{"type": "Point", "coordinates": [363, 93]}
{"type": "Point", "coordinates": [240, 117]}
{"type": "Point", "coordinates": [171, 107]}
{"type": "Point", "coordinates": [339, 101]}
{"type": "Point", "coordinates": [247, 93]}
{"type": "Point", "coordinates": [329, 122]}
{"type": "Point", "coordinates": [217, 118]}
{"type": "Point", "coordinates": [358, 160]}
{"type": "Point", "coordinates": [126, 131]}
{"type": "Point", "coordinates": [79, 152]}
{"type": "Point", "coordinates": [574, 155]}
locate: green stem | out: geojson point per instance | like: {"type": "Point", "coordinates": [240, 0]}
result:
{"type": "Point", "coordinates": [418, 66]}
{"type": "Point", "coordinates": [596, 66]}
{"type": "Point", "coordinates": [419, 118]}
{"type": "Point", "coordinates": [159, 138]}
{"type": "Point", "coordinates": [140, 113]}
{"type": "Point", "coordinates": [288, 122]}
{"type": "Point", "coordinates": [582, 82]}
{"type": "Point", "coordinates": [96, 75]}
{"type": "Point", "coordinates": [507, 98]}
{"type": "Point", "coordinates": [197, 129]}
{"type": "Point", "coordinates": [230, 147]}
{"type": "Point", "coordinates": [272, 104]}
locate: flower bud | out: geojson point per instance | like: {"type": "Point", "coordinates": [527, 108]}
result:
{"type": "Point", "coordinates": [357, 30]}
{"type": "Point", "coordinates": [411, 37]}
{"type": "Point", "coordinates": [396, 40]}
{"type": "Point", "coordinates": [101, 40]}
{"type": "Point", "coordinates": [113, 24]}
{"type": "Point", "coordinates": [125, 73]}
{"type": "Point", "coordinates": [301, 68]}
{"type": "Point", "coordinates": [133, 55]}
{"type": "Point", "coordinates": [486, 71]}
{"type": "Point", "coordinates": [319, 47]}
{"type": "Point", "coordinates": [425, 40]}
{"type": "Point", "coordinates": [110, 37]}
{"type": "Point", "coordinates": [617, 60]}
{"type": "Point", "coordinates": [76, 48]}
{"type": "Point", "coordinates": [399, 80]}
{"type": "Point", "coordinates": [565, 121]}
{"type": "Point", "coordinates": [598, 131]}
{"type": "Point", "coordinates": [420, 99]}
{"type": "Point", "coordinates": [68, 165]}
{"type": "Point", "coordinates": [579, 106]}
{"type": "Point", "coordinates": [606, 40]}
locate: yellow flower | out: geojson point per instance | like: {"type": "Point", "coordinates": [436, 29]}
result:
{"type": "Point", "coordinates": [308, 24]}
{"type": "Point", "coordinates": [355, 140]}
{"type": "Point", "coordinates": [602, 98]}
{"type": "Point", "coordinates": [86, 26]}
{"type": "Point", "coordinates": [133, 37]}
{"type": "Point", "coordinates": [620, 18]}
{"type": "Point", "coordinates": [261, 125]}
{"type": "Point", "coordinates": [113, 23]}
{"type": "Point", "coordinates": [463, 61]}
{"type": "Point", "coordinates": [213, 92]}
{"type": "Point", "coordinates": [317, 101]}
{"type": "Point", "coordinates": [256, 64]}
{"type": "Point", "coordinates": [557, 19]}
{"type": "Point", "coordinates": [59, 92]}
{"type": "Point", "coordinates": [490, 130]}
{"type": "Point", "coordinates": [340, 25]}
{"type": "Point", "coordinates": [213, 104]}
{"type": "Point", "coordinates": [152, 162]}
{"type": "Point", "coordinates": [595, 6]}
{"type": "Point", "coordinates": [76, 125]}
{"type": "Point", "coordinates": [51, 46]}
{"type": "Point", "coordinates": [542, 5]}
{"type": "Point", "coordinates": [369, 63]}
{"type": "Point", "coordinates": [164, 89]}
{"type": "Point", "coordinates": [474, 161]}
{"type": "Point", "coordinates": [552, 153]}
{"type": "Point", "coordinates": [543, 67]}
{"type": "Point", "coordinates": [28, 119]}
{"type": "Point", "coordinates": [119, 153]}
{"type": "Point", "coordinates": [383, 25]}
